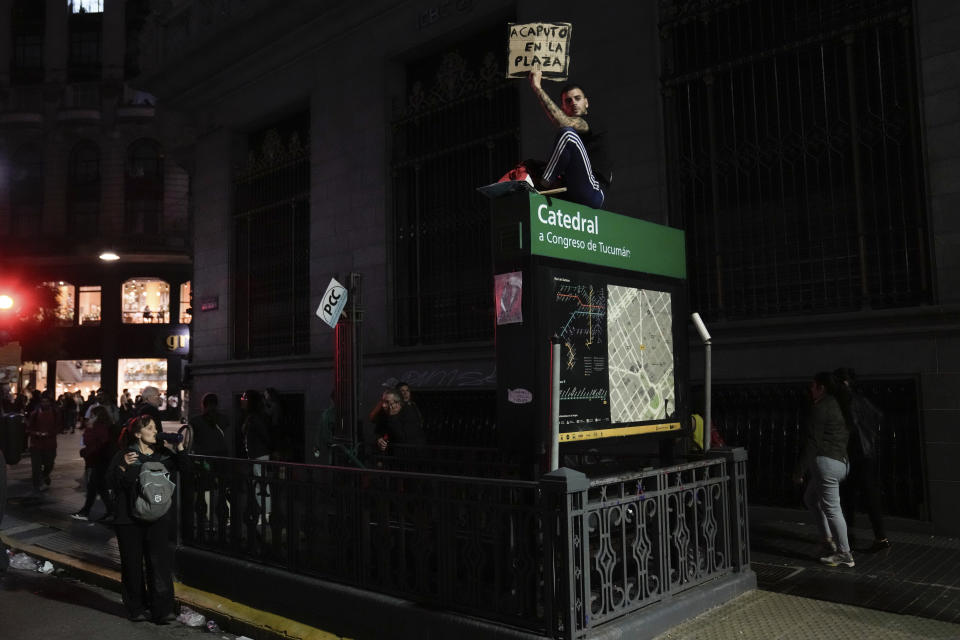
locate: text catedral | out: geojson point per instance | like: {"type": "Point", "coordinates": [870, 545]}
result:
{"type": "Point", "coordinates": [564, 220]}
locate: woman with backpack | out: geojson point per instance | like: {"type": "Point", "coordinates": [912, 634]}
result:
{"type": "Point", "coordinates": [140, 475]}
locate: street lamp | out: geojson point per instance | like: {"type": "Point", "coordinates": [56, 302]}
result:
{"type": "Point", "coordinates": [6, 302]}
{"type": "Point", "coordinates": [109, 256]}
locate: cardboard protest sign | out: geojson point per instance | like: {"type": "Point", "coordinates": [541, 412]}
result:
{"type": "Point", "coordinates": [539, 44]}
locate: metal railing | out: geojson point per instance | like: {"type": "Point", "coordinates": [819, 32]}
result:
{"type": "Point", "coordinates": [475, 462]}
{"type": "Point", "coordinates": [562, 556]}
{"type": "Point", "coordinates": [633, 540]}
{"type": "Point", "coordinates": [466, 544]}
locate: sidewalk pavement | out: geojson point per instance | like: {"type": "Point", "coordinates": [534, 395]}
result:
{"type": "Point", "coordinates": [41, 526]}
{"type": "Point", "coordinates": [909, 591]}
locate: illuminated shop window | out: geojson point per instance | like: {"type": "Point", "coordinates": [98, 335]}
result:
{"type": "Point", "coordinates": [146, 300]}
{"type": "Point", "coordinates": [185, 316]}
{"type": "Point", "coordinates": [86, 6]}
{"type": "Point", "coordinates": [134, 374]}
{"type": "Point", "coordinates": [90, 307]}
{"type": "Point", "coordinates": [66, 309]}
{"type": "Point", "coordinates": [78, 377]}
{"type": "Point", "coordinates": [33, 377]}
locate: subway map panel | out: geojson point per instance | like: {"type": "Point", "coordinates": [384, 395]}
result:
{"type": "Point", "coordinates": [579, 319]}
{"type": "Point", "coordinates": [616, 352]}
{"type": "Point", "coordinates": [640, 354]}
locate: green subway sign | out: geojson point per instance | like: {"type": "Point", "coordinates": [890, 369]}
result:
{"type": "Point", "coordinates": [568, 231]}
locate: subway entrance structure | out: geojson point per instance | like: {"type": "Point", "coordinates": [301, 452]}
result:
{"type": "Point", "coordinates": [475, 548]}
{"type": "Point", "coordinates": [609, 292]}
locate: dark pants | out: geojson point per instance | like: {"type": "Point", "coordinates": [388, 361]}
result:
{"type": "Point", "coordinates": [42, 465]}
{"type": "Point", "coordinates": [97, 484]}
{"type": "Point", "coordinates": [862, 489]}
{"type": "Point", "coordinates": [146, 567]}
{"type": "Point", "coordinates": [570, 162]}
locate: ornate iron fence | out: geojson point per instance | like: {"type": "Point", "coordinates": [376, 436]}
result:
{"type": "Point", "coordinates": [633, 540]}
{"type": "Point", "coordinates": [563, 556]}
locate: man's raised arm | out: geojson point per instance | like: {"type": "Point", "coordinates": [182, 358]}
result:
{"type": "Point", "coordinates": [555, 113]}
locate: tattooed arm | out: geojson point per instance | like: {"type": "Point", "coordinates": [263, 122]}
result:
{"type": "Point", "coordinates": [555, 113]}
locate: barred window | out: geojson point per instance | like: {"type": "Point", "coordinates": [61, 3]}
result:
{"type": "Point", "coordinates": [457, 129]}
{"type": "Point", "coordinates": [84, 54]}
{"type": "Point", "coordinates": [143, 189]}
{"type": "Point", "coordinates": [27, 26]}
{"type": "Point", "coordinates": [26, 191]}
{"type": "Point", "coordinates": [271, 243]}
{"type": "Point", "coordinates": [83, 207]}
{"type": "Point", "coordinates": [794, 156]}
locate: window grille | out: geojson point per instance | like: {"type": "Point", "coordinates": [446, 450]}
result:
{"type": "Point", "coordinates": [458, 129]}
{"type": "Point", "coordinates": [27, 28]}
{"type": "Point", "coordinates": [26, 192]}
{"type": "Point", "coordinates": [143, 189]}
{"type": "Point", "coordinates": [85, 48]}
{"type": "Point", "coordinates": [84, 198]}
{"type": "Point", "coordinates": [794, 157]}
{"type": "Point", "coordinates": [271, 241]}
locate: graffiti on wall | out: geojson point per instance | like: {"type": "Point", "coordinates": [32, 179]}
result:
{"type": "Point", "coordinates": [439, 377]}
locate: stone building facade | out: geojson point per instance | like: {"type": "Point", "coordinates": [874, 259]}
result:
{"type": "Point", "coordinates": [814, 184]}
{"type": "Point", "coordinates": [83, 170]}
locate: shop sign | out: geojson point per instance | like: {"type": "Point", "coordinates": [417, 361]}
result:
{"type": "Point", "coordinates": [210, 304]}
{"type": "Point", "coordinates": [177, 343]}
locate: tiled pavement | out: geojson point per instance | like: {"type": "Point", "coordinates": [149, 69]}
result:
{"type": "Point", "coordinates": [919, 575]}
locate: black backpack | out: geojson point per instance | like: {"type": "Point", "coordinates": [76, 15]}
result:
{"type": "Point", "coordinates": [866, 420]}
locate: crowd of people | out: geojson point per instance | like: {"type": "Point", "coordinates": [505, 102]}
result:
{"type": "Point", "coordinates": [840, 442]}
{"type": "Point", "coordinates": [119, 440]}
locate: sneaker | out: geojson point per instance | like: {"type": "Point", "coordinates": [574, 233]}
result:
{"type": "Point", "coordinates": [80, 515]}
{"type": "Point", "coordinates": [879, 545]}
{"type": "Point", "coordinates": [838, 559]}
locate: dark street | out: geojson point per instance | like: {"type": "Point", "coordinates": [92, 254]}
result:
{"type": "Point", "coordinates": [34, 605]}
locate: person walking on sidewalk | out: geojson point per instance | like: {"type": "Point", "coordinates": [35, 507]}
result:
{"type": "Point", "coordinates": [97, 452]}
{"type": "Point", "coordinates": [863, 420]}
{"type": "Point", "coordinates": [43, 425]}
{"type": "Point", "coordinates": [145, 556]}
{"type": "Point", "coordinates": [823, 463]}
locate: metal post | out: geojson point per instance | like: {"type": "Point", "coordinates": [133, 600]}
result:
{"type": "Point", "coordinates": [707, 377]}
{"type": "Point", "coordinates": [555, 403]}
{"type": "Point", "coordinates": [708, 394]}
{"type": "Point", "coordinates": [356, 317]}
